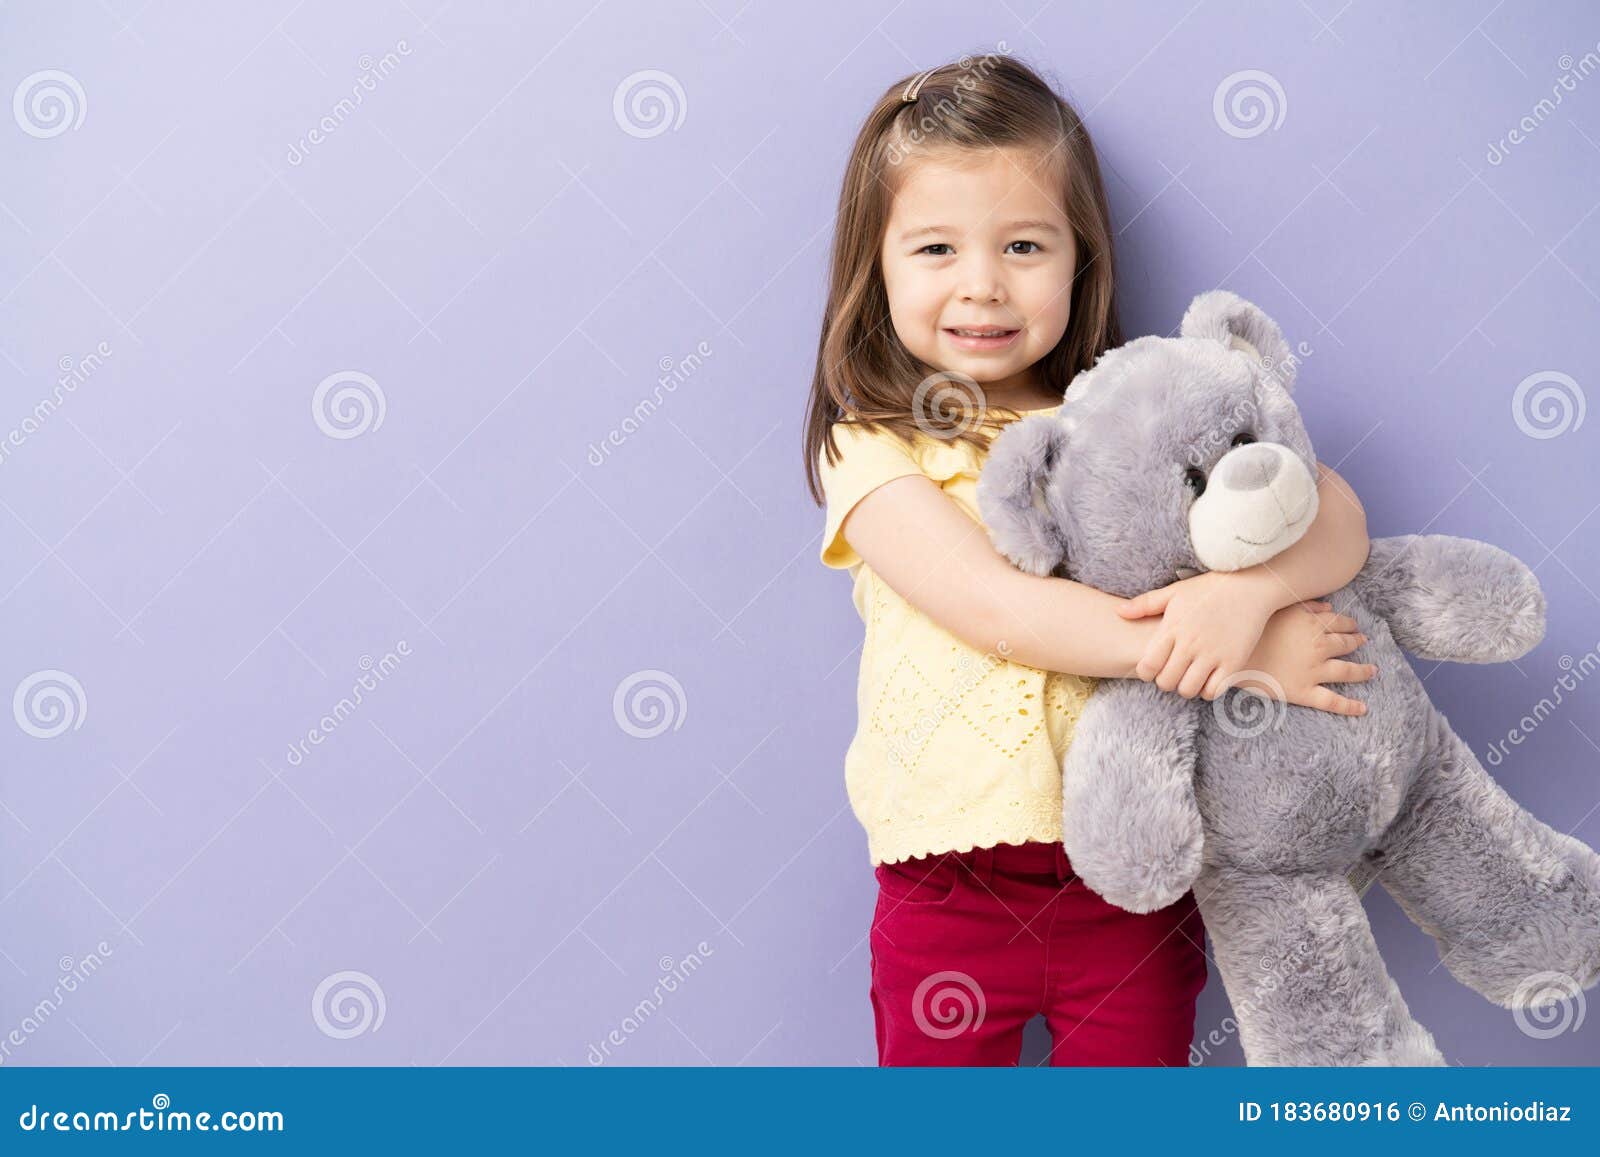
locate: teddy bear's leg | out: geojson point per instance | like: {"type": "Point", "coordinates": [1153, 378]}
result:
{"type": "Point", "coordinates": [1513, 904]}
{"type": "Point", "coordinates": [1303, 972]}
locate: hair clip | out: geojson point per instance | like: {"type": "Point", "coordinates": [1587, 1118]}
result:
{"type": "Point", "coordinates": [912, 89]}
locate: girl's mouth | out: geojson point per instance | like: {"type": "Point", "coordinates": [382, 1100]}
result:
{"type": "Point", "coordinates": [981, 338]}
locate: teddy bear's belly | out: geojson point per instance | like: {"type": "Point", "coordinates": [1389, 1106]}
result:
{"type": "Point", "coordinates": [1293, 788]}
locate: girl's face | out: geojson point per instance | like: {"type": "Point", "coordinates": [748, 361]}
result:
{"type": "Point", "coordinates": [980, 243]}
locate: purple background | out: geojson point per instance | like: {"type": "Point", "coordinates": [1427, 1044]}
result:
{"type": "Point", "coordinates": [482, 237]}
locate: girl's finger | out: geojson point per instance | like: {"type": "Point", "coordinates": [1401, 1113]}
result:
{"type": "Point", "coordinates": [1325, 700]}
{"type": "Point", "coordinates": [1155, 657]}
{"type": "Point", "coordinates": [1337, 624]}
{"type": "Point", "coordinates": [1334, 645]}
{"type": "Point", "coordinates": [1196, 678]}
{"type": "Point", "coordinates": [1316, 605]}
{"type": "Point", "coordinates": [1344, 671]}
{"type": "Point", "coordinates": [1173, 671]}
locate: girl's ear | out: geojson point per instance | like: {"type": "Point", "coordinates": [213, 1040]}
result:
{"type": "Point", "coordinates": [1232, 321]}
{"type": "Point", "coordinates": [1011, 495]}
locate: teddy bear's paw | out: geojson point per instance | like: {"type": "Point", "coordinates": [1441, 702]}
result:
{"type": "Point", "coordinates": [1141, 885]}
{"type": "Point", "coordinates": [1412, 1047]}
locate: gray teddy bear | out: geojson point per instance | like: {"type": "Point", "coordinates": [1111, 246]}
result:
{"type": "Point", "coordinates": [1176, 455]}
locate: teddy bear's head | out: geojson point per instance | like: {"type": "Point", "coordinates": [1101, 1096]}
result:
{"type": "Point", "coordinates": [1169, 456]}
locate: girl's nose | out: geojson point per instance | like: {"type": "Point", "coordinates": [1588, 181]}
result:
{"type": "Point", "coordinates": [980, 279]}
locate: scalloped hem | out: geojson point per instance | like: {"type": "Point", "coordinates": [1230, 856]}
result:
{"type": "Point", "coordinates": [932, 839]}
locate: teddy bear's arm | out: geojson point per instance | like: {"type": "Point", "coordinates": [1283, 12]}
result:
{"type": "Point", "coordinates": [1453, 599]}
{"type": "Point", "coordinates": [1130, 824]}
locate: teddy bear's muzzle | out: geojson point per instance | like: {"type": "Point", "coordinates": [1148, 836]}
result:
{"type": "Point", "coordinates": [1258, 501]}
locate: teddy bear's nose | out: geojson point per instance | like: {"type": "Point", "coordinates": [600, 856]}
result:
{"type": "Point", "coordinates": [1251, 467]}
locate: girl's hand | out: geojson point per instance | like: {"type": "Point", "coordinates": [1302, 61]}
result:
{"type": "Point", "coordinates": [1299, 652]}
{"type": "Point", "coordinates": [1210, 624]}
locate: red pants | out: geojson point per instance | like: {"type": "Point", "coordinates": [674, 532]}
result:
{"type": "Point", "coordinates": [968, 946]}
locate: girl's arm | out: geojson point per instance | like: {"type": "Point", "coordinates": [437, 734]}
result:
{"type": "Point", "coordinates": [919, 542]}
{"type": "Point", "coordinates": [1330, 553]}
{"type": "Point", "coordinates": [1221, 614]}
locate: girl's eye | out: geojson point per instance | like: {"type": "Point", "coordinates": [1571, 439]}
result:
{"type": "Point", "coordinates": [1243, 439]}
{"type": "Point", "coordinates": [935, 245]}
{"type": "Point", "coordinates": [1035, 245]}
{"type": "Point", "coordinates": [1196, 480]}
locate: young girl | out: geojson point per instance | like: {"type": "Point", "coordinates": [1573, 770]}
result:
{"type": "Point", "coordinates": [974, 250]}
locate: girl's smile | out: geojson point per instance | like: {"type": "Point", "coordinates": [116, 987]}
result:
{"type": "Point", "coordinates": [981, 338]}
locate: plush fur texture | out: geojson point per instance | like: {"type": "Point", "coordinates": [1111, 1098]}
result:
{"type": "Point", "coordinates": [1269, 811]}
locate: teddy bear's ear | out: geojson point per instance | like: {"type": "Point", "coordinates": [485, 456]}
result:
{"type": "Point", "coordinates": [1229, 319]}
{"type": "Point", "coordinates": [1011, 492]}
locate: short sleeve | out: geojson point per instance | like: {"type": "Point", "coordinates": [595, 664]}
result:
{"type": "Point", "coordinates": [867, 459]}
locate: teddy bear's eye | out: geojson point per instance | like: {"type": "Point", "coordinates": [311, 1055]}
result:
{"type": "Point", "coordinates": [1243, 439]}
{"type": "Point", "coordinates": [1196, 480]}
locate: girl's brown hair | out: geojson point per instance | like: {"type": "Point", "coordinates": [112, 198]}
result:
{"type": "Point", "coordinates": [863, 370]}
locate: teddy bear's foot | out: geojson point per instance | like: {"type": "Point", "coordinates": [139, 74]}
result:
{"type": "Point", "coordinates": [1412, 1046]}
{"type": "Point", "coordinates": [1553, 952]}
{"type": "Point", "coordinates": [1303, 973]}
{"type": "Point", "coordinates": [1513, 904]}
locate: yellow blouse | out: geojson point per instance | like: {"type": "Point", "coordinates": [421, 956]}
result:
{"type": "Point", "coordinates": [954, 748]}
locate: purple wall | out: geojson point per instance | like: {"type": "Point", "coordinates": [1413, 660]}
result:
{"type": "Point", "coordinates": [491, 260]}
